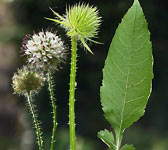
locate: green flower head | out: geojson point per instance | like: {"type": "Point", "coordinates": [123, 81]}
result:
{"type": "Point", "coordinates": [81, 21]}
{"type": "Point", "coordinates": [26, 81]}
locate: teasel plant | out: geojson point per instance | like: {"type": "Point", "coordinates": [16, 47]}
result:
{"type": "Point", "coordinates": [45, 52]}
{"type": "Point", "coordinates": [81, 23]}
{"type": "Point", "coordinates": [27, 82]}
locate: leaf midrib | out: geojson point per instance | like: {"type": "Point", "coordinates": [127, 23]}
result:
{"type": "Point", "coordinates": [123, 108]}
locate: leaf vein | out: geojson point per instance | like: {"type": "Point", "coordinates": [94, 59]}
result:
{"type": "Point", "coordinates": [135, 99]}
{"type": "Point", "coordinates": [119, 52]}
{"type": "Point", "coordinates": [136, 84]}
{"type": "Point", "coordinates": [119, 68]}
{"type": "Point", "coordinates": [124, 100]}
{"type": "Point", "coordinates": [117, 85]}
{"type": "Point", "coordinates": [123, 42]}
{"type": "Point", "coordinates": [140, 62]}
{"type": "Point", "coordinates": [130, 113]}
{"type": "Point", "coordinates": [140, 48]}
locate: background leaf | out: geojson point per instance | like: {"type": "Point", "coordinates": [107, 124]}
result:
{"type": "Point", "coordinates": [128, 147]}
{"type": "Point", "coordinates": [127, 74]}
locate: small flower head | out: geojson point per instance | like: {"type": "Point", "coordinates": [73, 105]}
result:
{"type": "Point", "coordinates": [44, 50]}
{"type": "Point", "coordinates": [82, 21]}
{"type": "Point", "coordinates": [26, 81]}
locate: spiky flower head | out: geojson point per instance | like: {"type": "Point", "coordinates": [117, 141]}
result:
{"type": "Point", "coordinates": [81, 21]}
{"type": "Point", "coordinates": [45, 50]}
{"type": "Point", "coordinates": [26, 81]}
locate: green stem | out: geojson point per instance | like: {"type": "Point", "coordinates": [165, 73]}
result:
{"type": "Point", "coordinates": [118, 139]}
{"type": "Point", "coordinates": [36, 123]}
{"type": "Point", "coordinates": [51, 90]}
{"type": "Point", "coordinates": [72, 94]}
{"type": "Point", "coordinates": [118, 146]}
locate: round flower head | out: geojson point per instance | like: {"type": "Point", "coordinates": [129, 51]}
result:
{"type": "Point", "coordinates": [26, 81]}
{"type": "Point", "coordinates": [44, 50]}
{"type": "Point", "coordinates": [80, 20]}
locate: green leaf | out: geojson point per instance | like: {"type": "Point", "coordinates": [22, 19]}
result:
{"type": "Point", "coordinates": [107, 137]}
{"type": "Point", "coordinates": [128, 147]}
{"type": "Point", "coordinates": [127, 74]}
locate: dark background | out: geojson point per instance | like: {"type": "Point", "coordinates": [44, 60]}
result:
{"type": "Point", "coordinates": [21, 17]}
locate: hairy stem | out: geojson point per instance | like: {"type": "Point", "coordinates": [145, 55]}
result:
{"type": "Point", "coordinates": [51, 90]}
{"type": "Point", "coordinates": [72, 94]}
{"type": "Point", "coordinates": [36, 123]}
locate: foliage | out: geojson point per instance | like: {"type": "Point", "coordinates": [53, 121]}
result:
{"type": "Point", "coordinates": [127, 76]}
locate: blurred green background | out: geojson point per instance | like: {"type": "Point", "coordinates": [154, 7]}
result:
{"type": "Point", "coordinates": [21, 17]}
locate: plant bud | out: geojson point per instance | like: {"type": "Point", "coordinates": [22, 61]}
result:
{"type": "Point", "coordinates": [26, 81]}
{"type": "Point", "coordinates": [81, 21]}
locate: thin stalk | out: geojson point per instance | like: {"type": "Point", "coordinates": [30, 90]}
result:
{"type": "Point", "coordinates": [72, 94]}
{"type": "Point", "coordinates": [35, 120]}
{"type": "Point", "coordinates": [51, 90]}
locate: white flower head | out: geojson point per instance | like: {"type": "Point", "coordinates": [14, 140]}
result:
{"type": "Point", "coordinates": [45, 50]}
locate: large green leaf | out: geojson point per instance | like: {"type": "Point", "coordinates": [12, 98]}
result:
{"type": "Point", "coordinates": [127, 74]}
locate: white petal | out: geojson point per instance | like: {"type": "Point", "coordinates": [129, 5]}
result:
{"type": "Point", "coordinates": [38, 55]}
{"type": "Point", "coordinates": [36, 38]}
{"type": "Point", "coordinates": [53, 52]}
{"type": "Point", "coordinates": [43, 53]}
{"type": "Point", "coordinates": [45, 59]}
{"type": "Point", "coordinates": [30, 43]}
{"type": "Point", "coordinates": [49, 56]}
{"type": "Point", "coordinates": [47, 49]}
{"type": "Point", "coordinates": [27, 52]}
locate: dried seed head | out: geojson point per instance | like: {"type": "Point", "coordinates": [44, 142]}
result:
{"type": "Point", "coordinates": [80, 20]}
{"type": "Point", "coordinates": [44, 50]}
{"type": "Point", "coordinates": [26, 81]}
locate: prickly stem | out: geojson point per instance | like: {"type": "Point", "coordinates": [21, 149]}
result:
{"type": "Point", "coordinates": [51, 90]}
{"type": "Point", "coordinates": [72, 94]}
{"type": "Point", "coordinates": [35, 120]}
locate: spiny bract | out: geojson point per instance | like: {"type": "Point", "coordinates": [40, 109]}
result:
{"type": "Point", "coordinates": [26, 81]}
{"type": "Point", "coordinates": [80, 20]}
